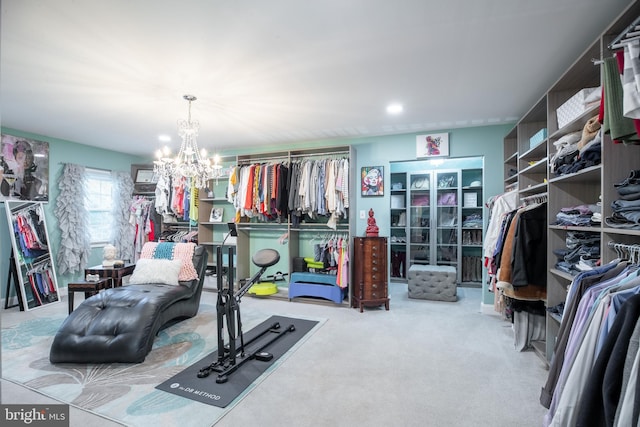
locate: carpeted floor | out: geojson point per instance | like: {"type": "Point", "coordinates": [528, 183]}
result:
{"type": "Point", "coordinates": [421, 363]}
{"type": "Point", "coordinates": [122, 392]}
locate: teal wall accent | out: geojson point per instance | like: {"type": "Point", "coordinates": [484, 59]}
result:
{"type": "Point", "coordinates": [486, 141]}
{"type": "Point", "coordinates": [61, 152]}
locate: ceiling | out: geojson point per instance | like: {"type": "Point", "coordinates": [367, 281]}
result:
{"type": "Point", "coordinates": [113, 73]}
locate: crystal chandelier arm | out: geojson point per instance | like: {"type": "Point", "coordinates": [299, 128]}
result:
{"type": "Point", "coordinates": [190, 161]}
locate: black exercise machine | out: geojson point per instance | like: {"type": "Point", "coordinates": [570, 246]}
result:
{"type": "Point", "coordinates": [229, 359]}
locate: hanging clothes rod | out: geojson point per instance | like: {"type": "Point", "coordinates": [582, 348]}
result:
{"type": "Point", "coordinates": [623, 246]}
{"type": "Point", "coordinates": [42, 263]}
{"type": "Point", "coordinates": [633, 251]}
{"type": "Point", "coordinates": [256, 226]}
{"type": "Point", "coordinates": [631, 30]}
{"type": "Point", "coordinates": [319, 227]}
{"type": "Point", "coordinates": [262, 160]}
{"type": "Point", "coordinates": [536, 198]}
{"type": "Point", "coordinates": [324, 234]}
{"type": "Point", "coordinates": [42, 259]}
{"type": "Point", "coordinates": [621, 43]}
{"type": "Point", "coordinates": [25, 207]}
{"type": "Point", "coordinates": [324, 154]}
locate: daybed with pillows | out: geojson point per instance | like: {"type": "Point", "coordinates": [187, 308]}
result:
{"type": "Point", "coordinates": [120, 324]}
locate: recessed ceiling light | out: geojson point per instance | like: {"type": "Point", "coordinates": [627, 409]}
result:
{"type": "Point", "coordinates": [394, 108]}
{"type": "Point", "coordinates": [164, 138]}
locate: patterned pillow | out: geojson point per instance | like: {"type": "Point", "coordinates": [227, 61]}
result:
{"type": "Point", "coordinates": [170, 250]}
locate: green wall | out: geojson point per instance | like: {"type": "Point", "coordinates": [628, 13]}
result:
{"type": "Point", "coordinates": [486, 141]}
{"type": "Point", "coordinates": [61, 152]}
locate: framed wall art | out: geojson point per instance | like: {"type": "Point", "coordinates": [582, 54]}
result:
{"type": "Point", "coordinates": [216, 215]}
{"type": "Point", "coordinates": [24, 169]}
{"type": "Point", "coordinates": [372, 181]}
{"type": "Point", "coordinates": [432, 145]}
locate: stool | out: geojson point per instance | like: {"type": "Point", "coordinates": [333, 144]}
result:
{"type": "Point", "coordinates": [432, 282]}
{"type": "Point", "coordinates": [89, 289]}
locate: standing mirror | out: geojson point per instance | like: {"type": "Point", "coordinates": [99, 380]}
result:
{"type": "Point", "coordinates": [31, 267]}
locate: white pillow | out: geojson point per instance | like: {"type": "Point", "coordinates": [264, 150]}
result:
{"type": "Point", "coordinates": [150, 270]}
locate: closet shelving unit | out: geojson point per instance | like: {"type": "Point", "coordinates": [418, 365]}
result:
{"type": "Point", "coordinates": [471, 232]}
{"type": "Point", "coordinates": [289, 240]}
{"type": "Point", "coordinates": [532, 161]}
{"type": "Point", "coordinates": [622, 158]}
{"type": "Point", "coordinates": [435, 204]}
{"type": "Point", "coordinates": [586, 186]}
{"type": "Point", "coordinates": [511, 160]}
{"type": "Point", "coordinates": [212, 233]}
{"type": "Point", "coordinates": [398, 239]}
{"type": "Point", "coordinates": [582, 187]}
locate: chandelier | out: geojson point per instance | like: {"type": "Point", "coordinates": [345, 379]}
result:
{"type": "Point", "coordinates": [190, 162]}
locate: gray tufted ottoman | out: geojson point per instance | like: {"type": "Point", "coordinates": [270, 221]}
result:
{"type": "Point", "coordinates": [434, 282]}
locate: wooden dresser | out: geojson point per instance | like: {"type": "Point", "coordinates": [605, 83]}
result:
{"type": "Point", "coordinates": [369, 263]}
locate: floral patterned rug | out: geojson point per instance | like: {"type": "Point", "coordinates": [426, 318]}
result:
{"type": "Point", "coordinates": [122, 392]}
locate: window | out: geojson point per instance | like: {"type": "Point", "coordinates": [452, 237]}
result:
{"type": "Point", "coordinates": [99, 205]}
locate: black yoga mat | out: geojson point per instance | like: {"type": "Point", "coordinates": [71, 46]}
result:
{"type": "Point", "coordinates": [206, 390]}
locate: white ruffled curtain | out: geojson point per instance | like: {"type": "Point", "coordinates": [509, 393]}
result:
{"type": "Point", "coordinates": [73, 218]}
{"type": "Point", "coordinates": [123, 231]}
{"type": "Point", "coordinates": [75, 243]}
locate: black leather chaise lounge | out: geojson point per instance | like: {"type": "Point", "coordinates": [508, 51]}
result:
{"type": "Point", "coordinates": [120, 324]}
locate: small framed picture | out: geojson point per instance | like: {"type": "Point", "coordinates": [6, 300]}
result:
{"type": "Point", "coordinates": [372, 181]}
{"type": "Point", "coordinates": [432, 145]}
{"type": "Point", "coordinates": [146, 176]}
{"type": "Point", "coordinates": [216, 215]}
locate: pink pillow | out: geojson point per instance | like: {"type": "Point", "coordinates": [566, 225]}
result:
{"type": "Point", "coordinates": [181, 251]}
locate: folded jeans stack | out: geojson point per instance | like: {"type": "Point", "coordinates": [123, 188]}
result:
{"type": "Point", "coordinates": [626, 209]}
{"type": "Point", "coordinates": [582, 252]}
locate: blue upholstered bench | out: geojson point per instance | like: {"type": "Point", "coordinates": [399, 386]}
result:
{"type": "Point", "coordinates": [315, 285]}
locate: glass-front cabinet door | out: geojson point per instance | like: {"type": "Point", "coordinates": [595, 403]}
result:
{"type": "Point", "coordinates": [447, 214]}
{"type": "Point", "coordinates": [420, 219]}
{"type": "Point", "coordinates": [434, 217]}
